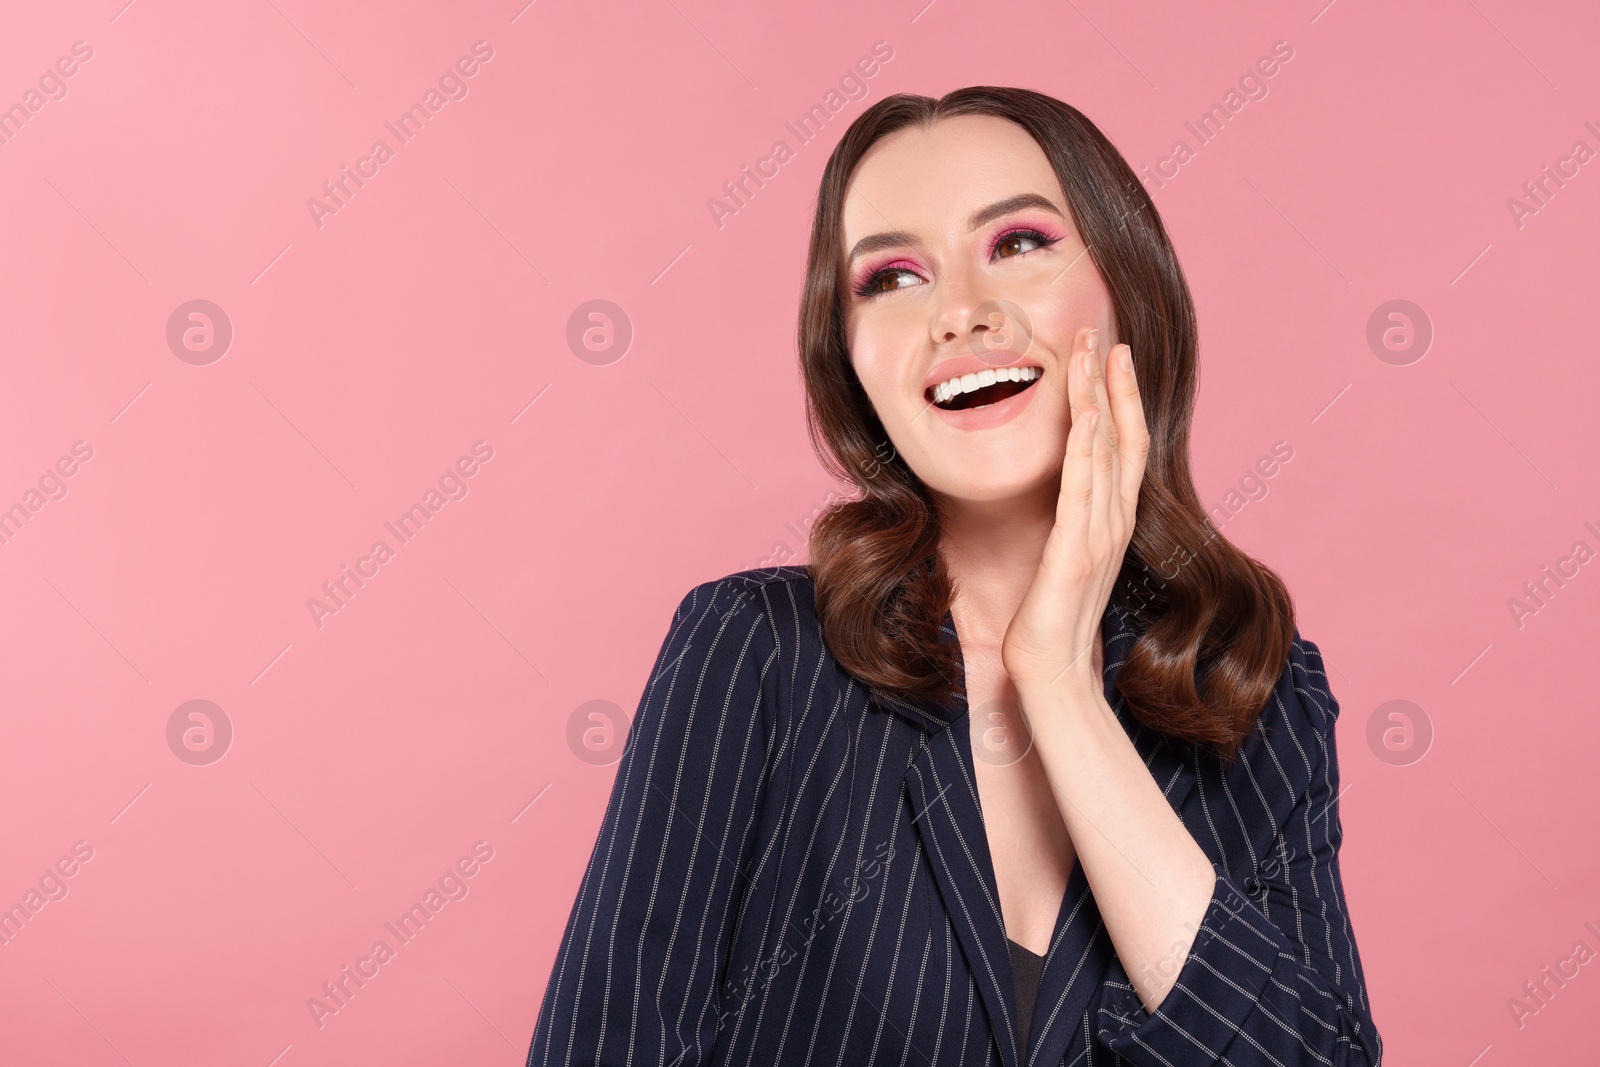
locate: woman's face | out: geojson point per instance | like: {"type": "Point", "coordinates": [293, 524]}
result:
{"type": "Point", "coordinates": [931, 297]}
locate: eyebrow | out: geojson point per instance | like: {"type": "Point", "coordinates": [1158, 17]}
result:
{"type": "Point", "coordinates": [895, 238]}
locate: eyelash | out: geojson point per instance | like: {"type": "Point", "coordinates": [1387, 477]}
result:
{"type": "Point", "coordinates": [865, 288]}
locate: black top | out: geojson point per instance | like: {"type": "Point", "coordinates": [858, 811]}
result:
{"type": "Point", "coordinates": [1025, 971]}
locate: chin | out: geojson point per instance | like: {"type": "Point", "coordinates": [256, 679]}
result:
{"type": "Point", "coordinates": [1005, 483]}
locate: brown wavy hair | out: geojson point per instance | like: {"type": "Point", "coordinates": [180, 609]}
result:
{"type": "Point", "coordinates": [1215, 626]}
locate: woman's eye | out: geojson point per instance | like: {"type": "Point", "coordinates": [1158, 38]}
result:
{"type": "Point", "coordinates": [1015, 240]}
{"type": "Point", "coordinates": [887, 281]}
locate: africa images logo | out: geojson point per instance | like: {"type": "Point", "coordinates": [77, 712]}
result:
{"type": "Point", "coordinates": [452, 85]}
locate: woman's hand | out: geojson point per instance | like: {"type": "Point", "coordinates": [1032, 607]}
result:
{"type": "Point", "coordinates": [1054, 638]}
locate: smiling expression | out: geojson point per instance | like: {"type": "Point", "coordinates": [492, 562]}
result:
{"type": "Point", "coordinates": [948, 232]}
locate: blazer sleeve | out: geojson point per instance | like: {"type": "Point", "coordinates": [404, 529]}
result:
{"type": "Point", "coordinates": [1273, 978]}
{"type": "Point", "coordinates": [637, 977]}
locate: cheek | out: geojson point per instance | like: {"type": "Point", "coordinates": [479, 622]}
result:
{"type": "Point", "coordinates": [875, 365]}
{"type": "Point", "coordinates": [1083, 302]}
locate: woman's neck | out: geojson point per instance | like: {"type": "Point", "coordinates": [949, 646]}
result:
{"type": "Point", "coordinates": [992, 550]}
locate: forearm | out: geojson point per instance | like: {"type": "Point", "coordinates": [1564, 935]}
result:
{"type": "Point", "coordinates": [1150, 879]}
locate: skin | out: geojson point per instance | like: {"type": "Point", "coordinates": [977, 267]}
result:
{"type": "Point", "coordinates": [1036, 515]}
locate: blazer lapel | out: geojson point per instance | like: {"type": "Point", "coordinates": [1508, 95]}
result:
{"type": "Point", "coordinates": [946, 815]}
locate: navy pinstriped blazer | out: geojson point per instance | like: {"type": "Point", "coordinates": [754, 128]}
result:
{"type": "Point", "coordinates": [790, 871]}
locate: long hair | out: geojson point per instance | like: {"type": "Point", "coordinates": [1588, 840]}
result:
{"type": "Point", "coordinates": [1215, 626]}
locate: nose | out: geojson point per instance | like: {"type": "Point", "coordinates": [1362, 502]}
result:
{"type": "Point", "coordinates": [958, 295]}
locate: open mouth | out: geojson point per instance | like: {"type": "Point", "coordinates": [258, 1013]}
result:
{"type": "Point", "coordinates": [983, 388]}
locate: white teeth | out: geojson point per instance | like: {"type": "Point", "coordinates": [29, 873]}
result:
{"type": "Point", "coordinates": [967, 383]}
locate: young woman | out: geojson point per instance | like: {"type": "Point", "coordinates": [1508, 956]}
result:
{"type": "Point", "coordinates": [1029, 765]}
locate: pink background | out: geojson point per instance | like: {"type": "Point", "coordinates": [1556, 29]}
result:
{"type": "Point", "coordinates": [371, 352]}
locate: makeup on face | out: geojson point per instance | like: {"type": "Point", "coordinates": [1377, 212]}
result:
{"type": "Point", "coordinates": [867, 280]}
{"type": "Point", "coordinates": [986, 416]}
{"type": "Point", "coordinates": [888, 269]}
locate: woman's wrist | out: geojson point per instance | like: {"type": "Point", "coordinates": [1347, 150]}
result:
{"type": "Point", "coordinates": [1056, 677]}
{"type": "Point", "coordinates": [1075, 705]}
{"type": "Point", "coordinates": [1069, 693]}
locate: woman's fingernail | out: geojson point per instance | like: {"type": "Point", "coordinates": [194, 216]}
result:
{"type": "Point", "coordinates": [1092, 338]}
{"type": "Point", "coordinates": [1126, 359]}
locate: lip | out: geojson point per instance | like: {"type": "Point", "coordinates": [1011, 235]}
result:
{"type": "Point", "coordinates": [989, 415]}
{"type": "Point", "coordinates": [969, 364]}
